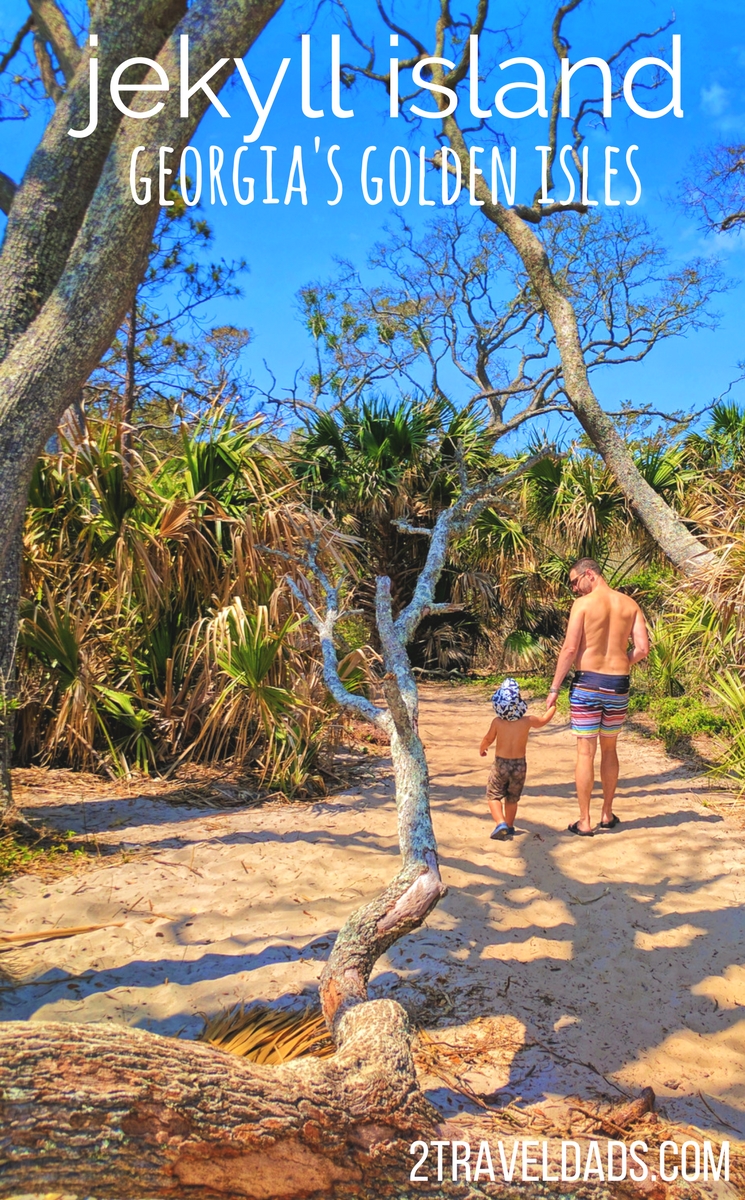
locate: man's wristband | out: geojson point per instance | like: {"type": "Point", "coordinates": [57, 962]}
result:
{"type": "Point", "coordinates": [554, 691]}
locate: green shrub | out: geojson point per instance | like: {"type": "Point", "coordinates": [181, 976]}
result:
{"type": "Point", "coordinates": [680, 717]}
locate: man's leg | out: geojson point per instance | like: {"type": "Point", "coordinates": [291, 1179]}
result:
{"type": "Point", "coordinates": [584, 776]}
{"type": "Point", "coordinates": [608, 774]}
{"type": "Point", "coordinates": [586, 709]}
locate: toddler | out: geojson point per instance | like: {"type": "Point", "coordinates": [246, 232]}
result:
{"type": "Point", "coordinates": [509, 729]}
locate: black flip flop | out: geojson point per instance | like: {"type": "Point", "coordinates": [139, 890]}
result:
{"type": "Point", "coordinates": [580, 832]}
{"type": "Point", "coordinates": [610, 824]}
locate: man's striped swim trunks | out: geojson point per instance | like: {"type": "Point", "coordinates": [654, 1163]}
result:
{"type": "Point", "coordinates": [598, 703]}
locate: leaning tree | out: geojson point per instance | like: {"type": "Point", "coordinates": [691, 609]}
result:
{"type": "Point", "coordinates": [75, 243]}
{"type": "Point", "coordinates": [442, 57]}
{"type": "Point", "coordinates": [453, 306]}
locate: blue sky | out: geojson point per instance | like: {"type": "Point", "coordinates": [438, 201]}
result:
{"type": "Point", "coordinates": [287, 246]}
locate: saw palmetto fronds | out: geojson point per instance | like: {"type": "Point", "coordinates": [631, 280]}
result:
{"type": "Point", "coordinates": [269, 1035]}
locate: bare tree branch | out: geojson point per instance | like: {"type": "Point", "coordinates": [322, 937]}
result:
{"type": "Point", "coordinates": [46, 69]}
{"type": "Point", "coordinates": [16, 44]}
{"type": "Point", "coordinates": [461, 292]}
{"type": "Point", "coordinates": [324, 626]}
{"type": "Point", "coordinates": [53, 27]}
{"type": "Point", "coordinates": [406, 528]}
{"type": "Point", "coordinates": [453, 520]}
{"type": "Point", "coordinates": [716, 190]}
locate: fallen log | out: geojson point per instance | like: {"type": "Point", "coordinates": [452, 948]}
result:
{"type": "Point", "coordinates": [121, 1113]}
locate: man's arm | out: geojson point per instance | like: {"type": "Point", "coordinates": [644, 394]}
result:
{"type": "Point", "coordinates": [640, 639]}
{"type": "Point", "coordinates": [488, 738]}
{"type": "Point", "coordinates": [569, 651]}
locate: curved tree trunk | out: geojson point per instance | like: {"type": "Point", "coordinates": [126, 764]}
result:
{"type": "Point", "coordinates": [404, 904]}
{"type": "Point", "coordinates": [48, 208]}
{"type": "Point", "coordinates": [44, 217]}
{"type": "Point", "coordinates": [662, 523]}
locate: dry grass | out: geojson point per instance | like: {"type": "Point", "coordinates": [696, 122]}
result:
{"type": "Point", "coordinates": [269, 1035]}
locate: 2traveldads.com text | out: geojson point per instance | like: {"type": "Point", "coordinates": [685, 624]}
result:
{"type": "Point", "coordinates": [568, 1162]}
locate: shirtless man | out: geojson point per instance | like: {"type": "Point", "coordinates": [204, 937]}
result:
{"type": "Point", "coordinates": [601, 625]}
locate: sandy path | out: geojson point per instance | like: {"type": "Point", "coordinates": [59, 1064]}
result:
{"type": "Point", "coordinates": [618, 956]}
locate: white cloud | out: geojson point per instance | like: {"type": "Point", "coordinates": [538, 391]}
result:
{"type": "Point", "coordinates": [714, 100]}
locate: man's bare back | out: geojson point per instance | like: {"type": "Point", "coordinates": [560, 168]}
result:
{"type": "Point", "coordinates": [601, 625]}
{"type": "Point", "coordinates": [606, 620]}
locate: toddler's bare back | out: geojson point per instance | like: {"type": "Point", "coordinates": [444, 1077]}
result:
{"type": "Point", "coordinates": [512, 737]}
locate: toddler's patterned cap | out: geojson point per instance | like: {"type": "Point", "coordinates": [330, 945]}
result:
{"type": "Point", "coordinates": [507, 701]}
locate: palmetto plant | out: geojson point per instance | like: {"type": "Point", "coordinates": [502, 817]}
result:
{"type": "Point", "coordinates": [669, 659]}
{"type": "Point", "coordinates": [378, 463]}
{"type": "Point", "coordinates": [252, 700]}
{"type": "Point", "coordinates": [722, 444]}
{"type": "Point", "coordinates": [267, 1035]}
{"type": "Point", "coordinates": [154, 628]}
{"type": "Point", "coordinates": [730, 690]}
{"type": "Point", "coordinates": [578, 501]}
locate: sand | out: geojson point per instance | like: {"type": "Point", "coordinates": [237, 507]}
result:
{"type": "Point", "coordinates": [566, 965]}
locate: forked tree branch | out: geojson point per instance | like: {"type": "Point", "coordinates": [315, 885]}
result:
{"type": "Point", "coordinates": [324, 624]}
{"type": "Point", "coordinates": [455, 519]}
{"type": "Point", "coordinates": [417, 886]}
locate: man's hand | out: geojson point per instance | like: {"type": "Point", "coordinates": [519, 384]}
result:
{"type": "Point", "coordinates": [482, 752]}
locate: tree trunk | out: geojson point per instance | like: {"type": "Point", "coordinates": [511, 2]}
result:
{"type": "Point", "coordinates": [121, 1113]}
{"type": "Point", "coordinates": [663, 524]}
{"type": "Point", "coordinates": [10, 594]}
{"type": "Point", "coordinates": [49, 206]}
{"type": "Point", "coordinates": [76, 243]}
{"type": "Point", "coordinates": [404, 904]}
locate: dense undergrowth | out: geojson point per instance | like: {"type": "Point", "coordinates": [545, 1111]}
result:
{"type": "Point", "coordinates": [157, 627]}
